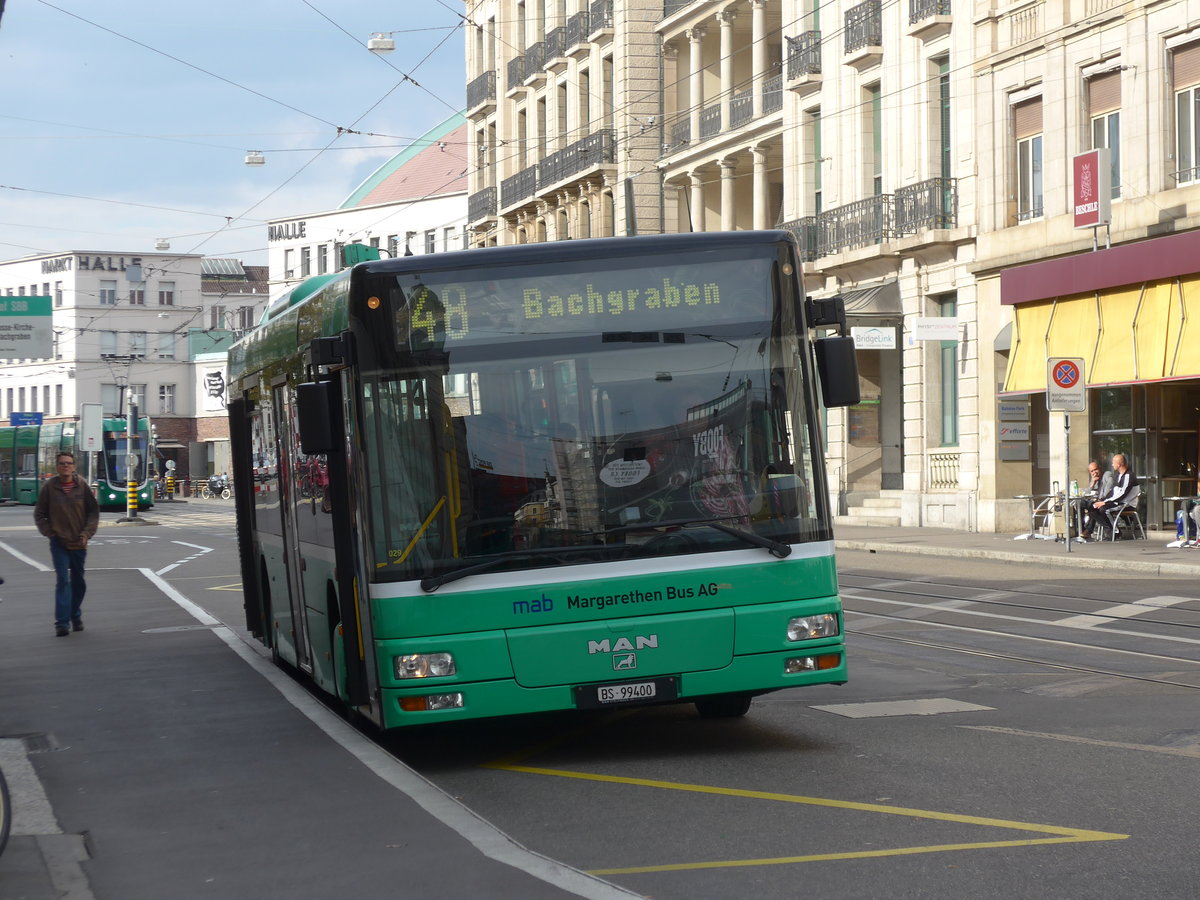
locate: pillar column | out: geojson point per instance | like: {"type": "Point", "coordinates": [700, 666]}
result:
{"type": "Point", "coordinates": [758, 38]}
{"type": "Point", "coordinates": [725, 19]}
{"type": "Point", "coordinates": [696, 209]}
{"type": "Point", "coordinates": [696, 81]}
{"type": "Point", "coordinates": [728, 193]}
{"type": "Point", "coordinates": [759, 155]}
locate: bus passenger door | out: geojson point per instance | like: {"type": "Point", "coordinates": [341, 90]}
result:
{"type": "Point", "coordinates": [285, 415]}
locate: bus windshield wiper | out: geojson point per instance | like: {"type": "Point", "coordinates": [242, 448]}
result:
{"type": "Point", "coordinates": [431, 583]}
{"type": "Point", "coordinates": [778, 548]}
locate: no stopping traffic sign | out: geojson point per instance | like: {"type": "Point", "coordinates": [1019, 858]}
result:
{"type": "Point", "coordinates": [1065, 387]}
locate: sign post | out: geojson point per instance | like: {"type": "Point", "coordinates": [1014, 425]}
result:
{"type": "Point", "coordinates": [1066, 392]}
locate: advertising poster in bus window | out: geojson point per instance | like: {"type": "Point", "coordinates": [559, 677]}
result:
{"type": "Point", "coordinates": [687, 471]}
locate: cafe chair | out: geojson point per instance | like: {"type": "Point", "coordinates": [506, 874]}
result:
{"type": "Point", "coordinates": [1127, 515]}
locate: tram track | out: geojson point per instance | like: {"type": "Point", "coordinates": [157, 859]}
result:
{"type": "Point", "coordinates": [1014, 657]}
{"type": "Point", "coordinates": [1031, 607]}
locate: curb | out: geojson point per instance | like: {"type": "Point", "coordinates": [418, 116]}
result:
{"type": "Point", "coordinates": [1146, 568]}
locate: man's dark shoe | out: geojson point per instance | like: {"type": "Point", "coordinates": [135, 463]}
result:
{"type": "Point", "coordinates": [77, 624]}
{"type": "Point", "coordinates": [59, 631]}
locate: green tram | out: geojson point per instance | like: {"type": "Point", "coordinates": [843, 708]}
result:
{"type": "Point", "coordinates": [571, 475]}
{"type": "Point", "coordinates": [27, 455]}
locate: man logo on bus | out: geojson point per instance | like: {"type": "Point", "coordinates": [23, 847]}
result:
{"type": "Point", "coordinates": [641, 642]}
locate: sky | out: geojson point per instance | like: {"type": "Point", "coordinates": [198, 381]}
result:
{"type": "Point", "coordinates": [123, 122]}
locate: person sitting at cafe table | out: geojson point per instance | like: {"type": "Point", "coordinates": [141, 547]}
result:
{"type": "Point", "coordinates": [1123, 485]}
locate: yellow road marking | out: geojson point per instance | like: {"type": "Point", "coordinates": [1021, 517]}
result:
{"type": "Point", "coordinates": [1062, 835]}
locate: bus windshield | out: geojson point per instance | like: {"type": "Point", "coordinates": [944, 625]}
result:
{"type": "Point", "coordinates": [553, 441]}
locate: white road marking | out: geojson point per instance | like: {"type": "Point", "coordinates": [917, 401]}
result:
{"type": "Point", "coordinates": [930, 706]}
{"type": "Point", "coordinates": [1022, 619]}
{"type": "Point", "coordinates": [41, 567]}
{"type": "Point", "coordinates": [481, 834]}
{"type": "Point", "coordinates": [1122, 611]}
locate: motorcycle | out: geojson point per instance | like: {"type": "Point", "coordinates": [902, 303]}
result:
{"type": "Point", "coordinates": [216, 486]}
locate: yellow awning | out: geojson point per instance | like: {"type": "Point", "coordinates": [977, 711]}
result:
{"type": "Point", "coordinates": [1027, 360]}
{"type": "Point", "coordinates": [1184, 349]}
{"type": "Point", "coordinates": [1147, 332]}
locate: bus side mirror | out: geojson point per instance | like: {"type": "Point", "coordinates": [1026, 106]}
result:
{"type": "Point", "coordinates": [315, 417]}
{"type": "Point", "coordinates": [837, 367]}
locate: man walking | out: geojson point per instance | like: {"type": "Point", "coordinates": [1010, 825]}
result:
{"type": "Point", "coordinates": [67, 513]}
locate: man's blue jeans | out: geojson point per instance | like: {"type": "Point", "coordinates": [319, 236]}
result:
{"type": "Point", "coordinates": [70, 587]}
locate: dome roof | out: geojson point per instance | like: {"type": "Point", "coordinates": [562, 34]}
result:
{"type": "Point", "coordinates": [431, 166]}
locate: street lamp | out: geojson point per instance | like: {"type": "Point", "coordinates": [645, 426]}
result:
{"type": "Point", "coordinates": [381, 42]}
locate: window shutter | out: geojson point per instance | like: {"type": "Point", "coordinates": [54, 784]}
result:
{"type": "Point", "coordinates": [1027, 118]}
{"type": "Point", "coordinates": [1104, 93]}
{"type": "Point", "coordinates": [1185, 66]}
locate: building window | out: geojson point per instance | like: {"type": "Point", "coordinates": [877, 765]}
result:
{"type": "Point", "coordinates": [447, 238]}
{"type": "Point", "coordinates": [288, 263]}
{"type": "Point", "coordinates": [305, 262]}
{"type": "Point", "coordinates": [245, 318]}
{"type": "Point", "coordinates": [139, 397]}
{"type": "Point", "coordinates": [108, 344]}
{"type": "Point", "coordinates": [58, 399]}
{"type": "Point", "coordinates": [111, 400]}
{"type": "Point", "coordinates": [947, 306]}
{"type": "Point", "coordinates": [431, 242]}
{"type": "Point", "coordinates": [1104, 112]}
{"type": "Point", "coordinates": [1185, 77]}
{"type": "Point", "coordinates": [393, 245]}
{"type": "Point", "coordinates": [166, 345]}
{"type": "Point", "coordinates": [108, 293]}
{"type": "Point", "coordinates": [46, 398]}
{"type": "Point", "coordinates": [57, 340]}
{"type": "Point", "coordinates": [322, 259]}
{"type": "Point", "coordinates": [58, 295]}
{"type": "Point", "coordinates": [137, 344]}
{"type": "Point", "coordinates": [137, 293]}
{"type": "Point", "coordinates": [216, 317]}
{"type": "Point", "coordinates": [812, 138]}
{"type": "Point", "coordinates": [166, 399]}
{"type": "Point", "coordinates": [1027, 122]}
{"type": "Point", "coordinates": [873, 138]}
{"type": "Point", "coordinates": [166, 293]}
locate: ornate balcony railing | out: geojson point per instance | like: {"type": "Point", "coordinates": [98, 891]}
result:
{"type": "Point", "coordinates": [741, 108]}
{"type": "Point", "coordinates": [864, 26]}
{"type": "Point", "coordinates": [944, 466]}
{"type": "Point", "coordinates": [804, 55]}
{"type": "Point", "coordinates": [481, 204]}
{"type": "Point", "coordinates": [806, 233]}
{"type": "Point", "coordinates": [535, 58]}
{"type": "Point", "coordinates": [920, 10]}
{"type": "Point", "coordinates": [481, 90]}
{"type": "Point", "coordinates": [601, 13]}
{"type": "Point", "coordinates": [594, 150]}
{"type": "Point", "coordinates": [518, 187]}
{"type": "Point", "coordinates": [670, 7]}
{"type": "Point", "coordinates": [555, 44]}
{"type": "Point", "coordinates": [773, 94]}
{"type": "Point", "coordinates": [681, 134]}
{"type": "Point", "coordinates": [929, 204]}
{"type": "Point", "coordinates": [710, 121]}
{"type": "Point", "coordinates": [858, 224]}
{"type": "Point", "coordinates": [516, 71]}
{"type": "Point", "coordinates": [578, 29]}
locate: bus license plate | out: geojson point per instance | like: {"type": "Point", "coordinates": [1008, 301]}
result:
{"type": "Point", "coordinates": [596, 695]}
{"type": "Point", "coordinates": [620, 693]}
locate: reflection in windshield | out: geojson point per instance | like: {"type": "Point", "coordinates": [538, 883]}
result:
{"type": "Point", "coordinates": [596, 446]}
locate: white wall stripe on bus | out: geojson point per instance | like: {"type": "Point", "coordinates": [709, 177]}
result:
{"type": "Point", "coordinates": [480, 833]}
{"type": "Point", "coordinates": [659, 565]}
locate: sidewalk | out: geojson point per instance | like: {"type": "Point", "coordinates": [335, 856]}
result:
{"type": "Point", "coordinates": [1149, 557]}
{"type": "Point", "coordinates": [156, 755]}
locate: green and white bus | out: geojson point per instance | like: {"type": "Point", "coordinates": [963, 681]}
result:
{"type": "Point", "coordinates": [553, 476]}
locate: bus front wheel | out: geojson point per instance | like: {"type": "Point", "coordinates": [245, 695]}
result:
{"type": "Point", "coordinates": [724, 706]}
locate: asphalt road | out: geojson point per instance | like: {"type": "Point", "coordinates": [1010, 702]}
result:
{"type": "Point", "coordinates": [1008, 732]}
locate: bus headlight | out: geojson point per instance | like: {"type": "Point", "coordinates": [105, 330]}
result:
{"type": "Point", "coordinates": [424, 665]}
{"type": "Point", "coordinates": [805, 628]}
{"type": "Point", "coordinates": [799, 664]}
